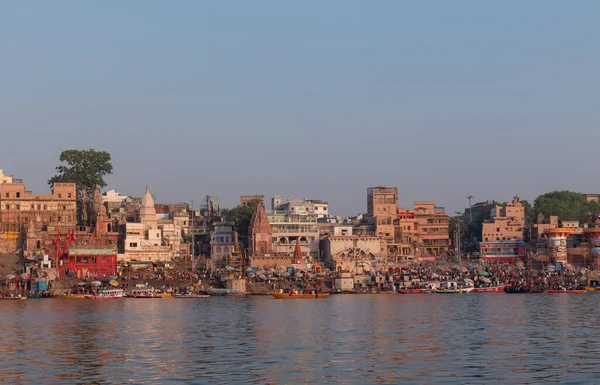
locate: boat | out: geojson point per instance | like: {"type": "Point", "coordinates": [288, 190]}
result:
{"type": "Point", "coordinates": [452, 288]}
{"type": "Point", "coordinates": [142, 293]}
{"type": "Point", "coordinates": [565, 291]}
{"type": "Point", "coordinates": [410, 291]}
{"type": "Point", "coordinates": [13, 298]}
{"type": "Point", "coordinates": [72, 296]}
{"type": "Point", "coordinates": [590, 288]}
{"type": "Point", "coordinates": [106, 294]}
{"type": "Point", "coordinates": [279, 295]}
{"type": "Point", "coordinates": [492, 289]}
{"type": "Point", "coordinates": [517, 289]}
{"type": "Point", "coordinates": [191, 296]}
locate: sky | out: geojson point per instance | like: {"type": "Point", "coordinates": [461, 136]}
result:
{"type": "Point", "coordinates": [312, 99]}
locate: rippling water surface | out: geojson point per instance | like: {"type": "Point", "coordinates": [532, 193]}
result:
{"type": "Point", "coordinates": [442, 339]}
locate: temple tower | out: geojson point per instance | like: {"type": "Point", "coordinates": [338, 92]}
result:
{"type": "Point", "coordinates": [148, 212]}
{"type": "Point", "coordinates": [260, 233]}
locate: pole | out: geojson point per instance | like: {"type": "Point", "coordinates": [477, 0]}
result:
{"type": "Point", "coordinates": [470, 208]}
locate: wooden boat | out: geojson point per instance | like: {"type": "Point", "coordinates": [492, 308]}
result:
{"type": "Point", "coordinates": [564, 291]}
{"type": "Point", "coordinates": [106, 294]}
{"type": "Point", "coordinates": [517, 289]}
{"type": "Point", "coordinates": [141, 293]}
{"type": "Point", "coordinates": [410, 291]}
{"type": "Point", "coordinates": [191, 296]}
{"type": "Point", "coordinates": [72, 296]}
{"type": "Point", "coordinates": [590, 288]}
{"type": "Point", "coordinates": [454, 291]}
{"type": "Point", "coordinates": [13, 298]}
{"type": "Point", "coordinates": [493, 289]}
{"type": "Point", "coordinates": [279, 295]}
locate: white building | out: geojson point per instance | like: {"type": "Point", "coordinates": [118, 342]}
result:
{"type": "Point", "coordinates": [145, 241]}
{"type": "Point", "coordinates": [286, 230]}
{"type": "Point", "coordinates": [345, 252]}
{"type": "Point", "coordinates": [111, 196]}
{"type": "Point", "coordinates": [300, 208]}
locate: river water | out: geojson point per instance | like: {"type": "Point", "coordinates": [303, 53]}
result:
{"type": "Point", "coordinates": [346, 339]}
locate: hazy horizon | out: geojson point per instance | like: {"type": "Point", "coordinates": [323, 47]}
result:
{"type": "Point", "coordinates": [315, 100]}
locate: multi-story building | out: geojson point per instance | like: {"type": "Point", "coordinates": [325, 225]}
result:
{"type": "Point", "coordinates": [432, 225]}
{"type": "Point", "coordinates": [147, 241]}
{"type": "Point", "coordinates": [5, 178]}
{"type": "Point", "coordinates": [55, 211]}
{"type": "Point", "coordinates": [345, 252]}
{"type": "Point", "coordinates": [247, 199]}
{"type": "Point", "coordinates": [382, 206]}
{"type": "Point", "coordinates": [502, 234]}
{"type": "Point", "coordinates": [300, 209]}
{"type": "Point", "coordinates": [405, 235]}
{"type": "Point", "coordinates": [223, 243]}
{"type": "Point", "coordinates": [287, 230]}
{"type": "Point", "coordinates": [506, 223]}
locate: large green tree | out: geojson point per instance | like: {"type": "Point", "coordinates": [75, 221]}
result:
{"type": "Point", "coordinates": [240, 216]}
{"type": "Point", "coordinates": [87, 168]}
{"type": "Point", "coordinates": [567, 205]}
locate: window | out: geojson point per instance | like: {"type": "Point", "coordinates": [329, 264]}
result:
{"type": "Point", "coordinates": [60, 195]}
{"type": "Point", "coordinates": [59, 218]}
{"type": "Point", "coordinates": [8, 207]}
{"type": "Point", "coordinates": [69, 195]}
{"type": "Point", "coordinates": [18, 195]}
{"type": "Point", "coordinates": [18, 207]}
{"type": "Point", "coordinates": [7, 195]}
{"type": "Point", "coordinates": [132, 244]}
{"type": "Point", "coordinates": [45, 207]}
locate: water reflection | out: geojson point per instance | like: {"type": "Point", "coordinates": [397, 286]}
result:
{"type": "Point", "coordinates": [475, 338]}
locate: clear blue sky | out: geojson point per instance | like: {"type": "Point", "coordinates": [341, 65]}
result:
{"type": "Point", "coordinates": [318, 99]}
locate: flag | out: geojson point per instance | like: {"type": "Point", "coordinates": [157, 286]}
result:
{"type": "Point", "coordinates": [72, 236]}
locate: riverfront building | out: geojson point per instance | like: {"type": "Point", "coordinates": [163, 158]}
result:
{"type": "Point", "coordinates": [502, 234]}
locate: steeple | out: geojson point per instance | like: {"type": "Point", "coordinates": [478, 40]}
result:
{"type": "Point", "coordinates": [147, 211]}
{"type": "Point", "coordinates": [260, 232]}
{"type": "Point", "coordinates": [298, 257]}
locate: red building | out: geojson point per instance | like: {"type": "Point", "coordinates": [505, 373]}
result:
{"type": "Point", "coordinates": [88, 263]}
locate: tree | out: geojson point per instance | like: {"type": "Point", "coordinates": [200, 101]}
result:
{"type": "Point", "coordinates": [241, 216]}
{"type": "Point", "coordinates": [567, 205]}
{"type": "Point", "coordinates": [86, 168]}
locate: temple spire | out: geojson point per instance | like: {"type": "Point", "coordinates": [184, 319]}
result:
{"type": "Point", "coordinates": [298, 257]}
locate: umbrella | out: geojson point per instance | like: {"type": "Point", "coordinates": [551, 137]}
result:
{"type": "Point", "coordinates": [10, 276]}
{"type": "Point", "coordinates": [249, 270]}
{"type": "Point", "coordinates": [114, 283]}
{"type": "Point", "coordinates": [486, 280]}
{"type": "Point", "coordinates": [81, 284]}
{"type": "Point", "coordinates": [112, 278]}
{"type": "Point", "coordinates": [484, 273]}
{"type": "Point", "coordinates": [96, 283]}
{"type": "Point", "coordinates": [25, 276]}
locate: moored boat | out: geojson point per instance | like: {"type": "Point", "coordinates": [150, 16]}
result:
{"type": "Point", "coordinates": [279, 295]}
{"type": "Point", "coordinates": [410, 291]}
{"type": "Point", "coordinates": [141, 293]}
{"type": "Point", "coordinates": [13, 298]}
{"type": "Point", "coordinates": [191, 296]}
{"type": "Point", "coordinates": [454, 291]}
{"type": "Point", "coordinates": [106, 294]}
{"type": "Point", "coordinates": [565, 291]}
{"type": "Point", "coordinates": [492, 289]}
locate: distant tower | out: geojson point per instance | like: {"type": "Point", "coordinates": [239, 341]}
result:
{"type": "Point", "coordinates": [298, 257]}
{"type": "Point", "coordinates": [260, 232]}
{"type": "Point", "coordinates": [148, 212]}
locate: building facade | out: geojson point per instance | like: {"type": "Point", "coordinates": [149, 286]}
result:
{"type": "Point", "coordinates": [382, 207]}
{"type": "Point", "coordinates": [502, 234]}
{"type": "Point", "coordinates": [432, 228]}
{"type": "Point", "coordinates": [300, 209]}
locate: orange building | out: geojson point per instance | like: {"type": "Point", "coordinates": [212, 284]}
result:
{"type": "Point", "coordinates": [432, 228]}
{"type": "Point", "coordinates": [506, 223]}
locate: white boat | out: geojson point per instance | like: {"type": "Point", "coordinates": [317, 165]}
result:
{"type": "Point", "coordinates": [452, 287]}
{"type": "Point", "coordinates": [106, 294]}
